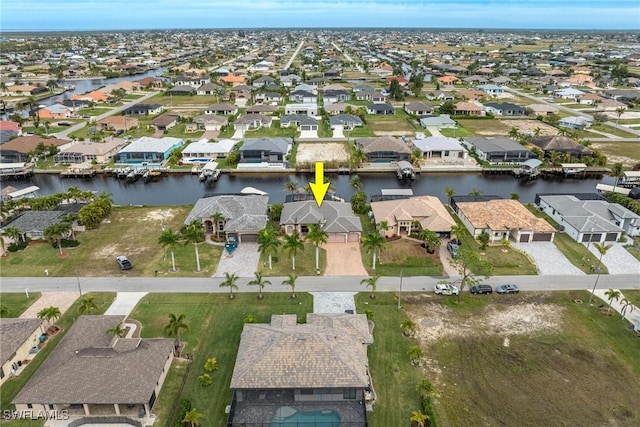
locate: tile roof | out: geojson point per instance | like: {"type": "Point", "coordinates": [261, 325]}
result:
{"type": "Point", "coordinates": [88, 366]}
{"type": "Point", "coordinates": [502, 214]}
{"type": "Point", "coordinates": [384, 143]}
{"type": "Point", "coordinates": [336, 217]}
{"type": "Point", "coordinates": [329, 351]}
{"type": "Point", "coordinates": [150, 144]}
{"type": "Point", "coordinates": [559, 143]}
{"type": "Point", "coordinates": [244, 213]}
{"type": "Point", "coordinates": [24, 144]}
{"type": "Point", "coordinates": [13, 333]}
{"type": "Point", "coordinates": [428, 210]}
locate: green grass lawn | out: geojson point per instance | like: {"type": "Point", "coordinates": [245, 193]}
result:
{"type": "Point", "coordinates": [459, 132]}
{"type": "Point", "coordinates": [396, 123]}
{"type": "Point", "coordinates": [613, 131]}
{"type": "Point", "coordinates": [132, 96]}
{"type": "Point", "coordinates": [132, 231]}
{"type": "Point", "coordinates": [177, 100]}
{"type": "Point", "coordinates": [634, 251]}
{"type": "Point", "coordinates": [215, 324]}
{"type": "Point", "coordinates": [628, 150]}
{"type": "Point", "coordinates": [18, 303]}
{"type": "Point", "coordinates": [282, 265]}
{"type": "Point", "coordinates": [272, 132]}
{"type": "Point", "coordinates": [93, 111]}
{"type": "Point", "coordinates": [178, 132]}
{"type": "Point", "coordinates": [633, 296]}
{"type": "Point", "coordinates": [359, 132]}
{"type": "Point", "coordinates": [394, 378]}
{"type": "Point", "coordinates": [14, 385]}
{"type": "Point", "coordinates": [405, 255]}
{"type": "Point", "coordinates": [485, 127]}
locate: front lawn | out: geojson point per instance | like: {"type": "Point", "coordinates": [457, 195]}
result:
{"type": "Point", "coordinates": [93, 111]}
{"type": "Point", "coordinates": [485, 126]}
{"type": "Point", "coordinates": [17, 303]}
{"type": "Point", "coordinates": [458, 132]}
{"type": "Point", "coordinates": [178, 132]}
{"type": "Point", "coordinates": [406, 255]}
{"type": "Point", "coordinates": [282, 265]}
{"type": "Point", "coordinates": [215, 324]}
{"type": "Point", "coordinates": [272, 132]}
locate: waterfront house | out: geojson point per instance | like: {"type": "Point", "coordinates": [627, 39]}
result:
{"type": "Point", "coordinates": [19, 339]}
{"type": "Point", "coordinates": [89, 152]}
{"type": "Point", "coordinates": [8, 130]}
{"type": "Point", "coordinates": [503, 219]}
{"type": "Point", "coordinates": [203, 150]}
{"type": "Point", "coordinates": [318, 366]}
{"type": "Point", "coordinates": [560, 144]}
{"type": "Point", "coordinates": [32, 224]}
{"type": "Point", "coordinates": [88, 352]}
{"type": "Point", "coordinates": [244, 215]}
{"type": "Point", "coordinates": [383, 149]}
{"type": "Point", "coordinates": [499, 149]}
{"type": "Point", "coordinates": [148, 151]}
{"type": "Point", "coordinates": [402, 214]}
{"type": "Point", "coordinates": [18, 149]}
{"type": "Point", "coordinates": [264, 152]}
{"type": "Point", "coordinates": [589, 219]}
{"type": "Point", "coordinates": [55, 111]}
{"type": "Point", "coordinates": [335, 218]}
{"type": "Point", "coordinates": [440, 147]}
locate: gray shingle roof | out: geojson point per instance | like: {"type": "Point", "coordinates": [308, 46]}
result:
{"type": "Point", "coordinates": [330, 351]}
{"type": "Point", "coordinates": [34, 220]}
{"type": "Point", "coordinates": [87, 367]}
{"type": "Point", "coordinates": [244, 213]}
{"type": "Point", "coordinates": [335, 217]}
{"type": "Point", "coordinates": [585, 215]}
{"type": "Point", "coordinates": [273, 145]}
{"type": "Point", "coordinates": [342, 119]}
{"type": "Point", "coordinates": [302, 119]}
{"type": "Point", "coordinates": [13, 333]}
{"type": "Point", "coordinates": [498, 144]}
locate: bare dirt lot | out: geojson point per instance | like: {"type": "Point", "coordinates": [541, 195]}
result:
{"type": "Point", "coordinates": [529, 127]}
{"type": "Point", "coordinates": [497, 360]}
{"type": "Point", "coordinates": [322, 152]}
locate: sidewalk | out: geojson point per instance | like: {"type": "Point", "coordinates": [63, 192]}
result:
{"type": "Point", "coordinates": [632, 314]}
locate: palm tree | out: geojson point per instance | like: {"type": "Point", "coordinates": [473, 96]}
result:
{"type": "Point", "coordinates": [56, 231]}
{"type": "Point", "coordinates": [616, 173]}
{"type": "Point", "coordinates": [317, 236]}
{"type": "Point", "coordinates": [626, 305]}
{"type": "Point", "coordinates": [555, 158]}
{"type": "Point", "coordinates": [514, 133]}
{"type": "Point", "coordinates": [117, 331]}
{"type": "Point", "coordinates": [371, 282]}
{"type": "Point", "coordinates": [475, 193]}
{"type": "Point", "coordinates": [292, 244]}
{"type": "Point", "coordinates": [169, 238]}
{"type": "Point", "coordinates": [408, 327]}
{"type": "Point", "coordinates": [87, 305]}
{"type": "Point", "coordinates": [602, 249]}
{"type": "Point", "coordinates": [384, 226]}
{"type": "Point", "coordinates": [4, 310]}
{"type": "Point", "coordinates": [194, 233]}
{"type": "Point", "coordinates": [430, 239]}
{"type": "Point", "coordinates": [268, 243]}
{"type": "Point", "coordinates": [420, 418]}
{"type": "Point", "coordinates": [291, 281]}
{"type": "Point", "coordinates": [425, 388]}
{"type": "Point", "coordinates": [49, 314]}
{"type": "Point", "coordinates": [416, 156]}
{"type": "Point", "coordinates": [192, 417]}
{"type": "Point", "coordinates": [356, 183]}
{"type": "Point", "coordinates": [291, 186]}
{"type": "Point", "coordinates": [449, 192]}
{"type": "Point", "coordinates": [375, 243]}
{"type": "Point", "coordinates": [230, 282]}
{"type": "Point", "coordinates": [260, 283]}
{"type": "Point", "coordinates": [218, 218]}
{"type": "Point", "coordinates": [619, 112]}
{"type": "Point", "coordinates": [175, 325]}
{"type": "Point", "coordinates": [612, 295]}
{"type": "Point", "coordinates": [358, 157]}
{"type": "Point", "coordinates": [415, 354]}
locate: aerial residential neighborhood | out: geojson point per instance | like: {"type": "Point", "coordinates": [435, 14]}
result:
{"type": "Point", "coordinates": [329, 226]}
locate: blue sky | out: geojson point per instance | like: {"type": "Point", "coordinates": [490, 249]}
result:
{"type": "Point", "coordinates": [160, 14]}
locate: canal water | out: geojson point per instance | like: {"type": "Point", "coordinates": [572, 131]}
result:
{"type": "Point", "coordinates": [186, 189]}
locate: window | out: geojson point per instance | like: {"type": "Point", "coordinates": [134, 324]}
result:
{"type": "Point", "coordinates": [29, 405]}
{"type": "Point", "coordinates": [306, 391]}
{"type": "Point", "coordinates": [349, 393]}
{"type": "Point", "coordinates": [51, 407]}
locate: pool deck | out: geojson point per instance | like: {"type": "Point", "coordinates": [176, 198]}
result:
{"type": "Point", "coordinates": [262, 408]}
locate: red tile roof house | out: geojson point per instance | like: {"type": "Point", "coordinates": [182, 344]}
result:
{"type": "Point", "coordinates": [469, 109]}
{"type": "Point", "coordinates": [91, 372]}
{"type": "Point", "coordinates": [16, 150]}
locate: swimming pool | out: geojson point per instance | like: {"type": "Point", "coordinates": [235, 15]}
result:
{"type": "Point", "coordinates": [287, 416]}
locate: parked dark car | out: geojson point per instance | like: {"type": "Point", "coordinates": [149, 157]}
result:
{"type": "Point", "coordinates": [119, 132]}
{"type": "Point", "coordinates": [507, 289]}
{"type": "Point", "coordinates": [481, 289]}
{"type": "Point", "coordinates": [453, 249]}
{"type": "Point", "coordinates": [124, 263]}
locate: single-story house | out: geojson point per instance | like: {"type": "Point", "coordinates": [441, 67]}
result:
{"type": "Point", "coordinates": [19, 339]}
{"type": "Point", "coordinates": [303, 96]}
{"type": "Point", "coordinates": [265, 96]}
{"type": "Point", "coordinates": [144, 109]}
{"type": "Point", "coordinates": [55, 111]}
{"type": "Point", "coordinates": [211, 121]}
{"type": "Point", "coordinates": [17, 150]}
{"type": "Point", "coordinates": [263, 81]}
{"type": "Point", "coordinates": [297, 366]}
{"type": "Point", "coordinates": [499, 149]}
{"type": "Point", "coordinates": [88, 352]}
{"type": "Point", "coordinates": [203, 149]}
{"type": "Point", "coordinates": [504, 109]}
{"type": "Point", "coordinates": [150, 82]}
{"type": "Point", "coordinates": [252, 121]}
{"type": "Point", "coordinates": [568, 93]}
{"type": "Point", "coordinates": [491, 89]}
{"type": "Point", "coordinates": [575, 122]}
{"type": "Point", "coordinates": [448, 80]}
{"type": "Point", "coordinates": [504, 219]}
{"type": "Point", "coordinates": [443, 121]}
{"type": "Point", "coordinates": [338, 108]}
{"type": "Point", "coordinates": [310, 109]}
{"type": "Point", "coordinates": [265, 152]}
{"type": "Point", "coordinates": [418, 109]}
{"type": "Point", "coordinates": [371, 96]}
{"type": "Point", "coordinates": [472, 94]}
{"type": "Point", "coordinates": [336, 219]}
{"type": "Point", "coordinates": [380, 109]}
{"type": "Point", "coordinates": [589, 99]}
{"type": "Point", "coordinates": [85, 151]}
{"type": "Point", "coordinates": [345, 121]}
{"type": "Point", "coordinates": [263, 109]}
{"type": "Point", "coordinates": [302, 121]}
{"type": "Point", "coordinates": [8, 130]}
{"type": "Point", "coordinates": [244, 215]}
{"type": "Point", "coordinates": [184, 90]}
{"type": "Point", "coordinates": [333, 96]}
{"type": "Point", "coordinates": [32, 224]}
{"type": "Point", "coordinates": [440, 95]}
{"type": "Point", "coordinates": [594, 221]}
{"type": "Point", "coordinates": [401, 214]}
{"type": "Point", "coordinates": [210, 89]}
{"type": "Point", "coordinates": [148, 151]}
{"type": "Point", "coordinates": [560, 144]}
{"type": "Point", "coordinates": [165, 121]}
{"type": "Point", "coordinates": [543, 109]}
{"type": "Point", "coordinates": [468, 109]}
{"type": "Point", "coordinates": [224, 109]}
{"type": "Point", "coordinates": [115, 123]}
{"type": "Point", "coordinates": [440, 147]}
{"type": "Point", "coordinates": [384, 149]}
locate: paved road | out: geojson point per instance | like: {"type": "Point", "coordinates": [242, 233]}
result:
{"type": "Point", "coordinates": [293, 57]}
{"type": "Point", "coordinates": [304, 284]}
{"type": "Point", "coordinates": [346, 55]}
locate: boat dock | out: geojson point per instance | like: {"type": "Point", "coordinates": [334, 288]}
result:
{"type": "Point", "coordinates": [82, 170]}
{"type": "Point", "coordinates": [16, 171]}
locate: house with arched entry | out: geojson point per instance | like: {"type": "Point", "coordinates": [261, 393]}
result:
{"type": "Point", "coordinates": [235, 215]}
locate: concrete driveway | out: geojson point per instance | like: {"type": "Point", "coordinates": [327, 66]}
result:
{"type": "Point", "coordinates": [243, 261]}
{"type": "Point", "coordinates": [618, 260]}
{"type": "Point", "coordinates": [343, 259]}
{"type": "Point", "coordinates": [548, 258]}
{"type": "Point", "coordinates": [310, 134]}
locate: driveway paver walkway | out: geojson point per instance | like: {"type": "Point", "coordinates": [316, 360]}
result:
{"type": "Point", "coordinates": [333, 302]}
{"type": "Point", "coordinates": [618, 260]}
{"type": "Point", "coordinates": [548, 258]}
{"type": "Point", "coordinates": [62, 300]}
{"type": "Point", "coordinates": [343, 259]}
{"type": "Point", "coordinates": [124, 303]}
{"type": "Point", "coordinates": [243, 261]}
